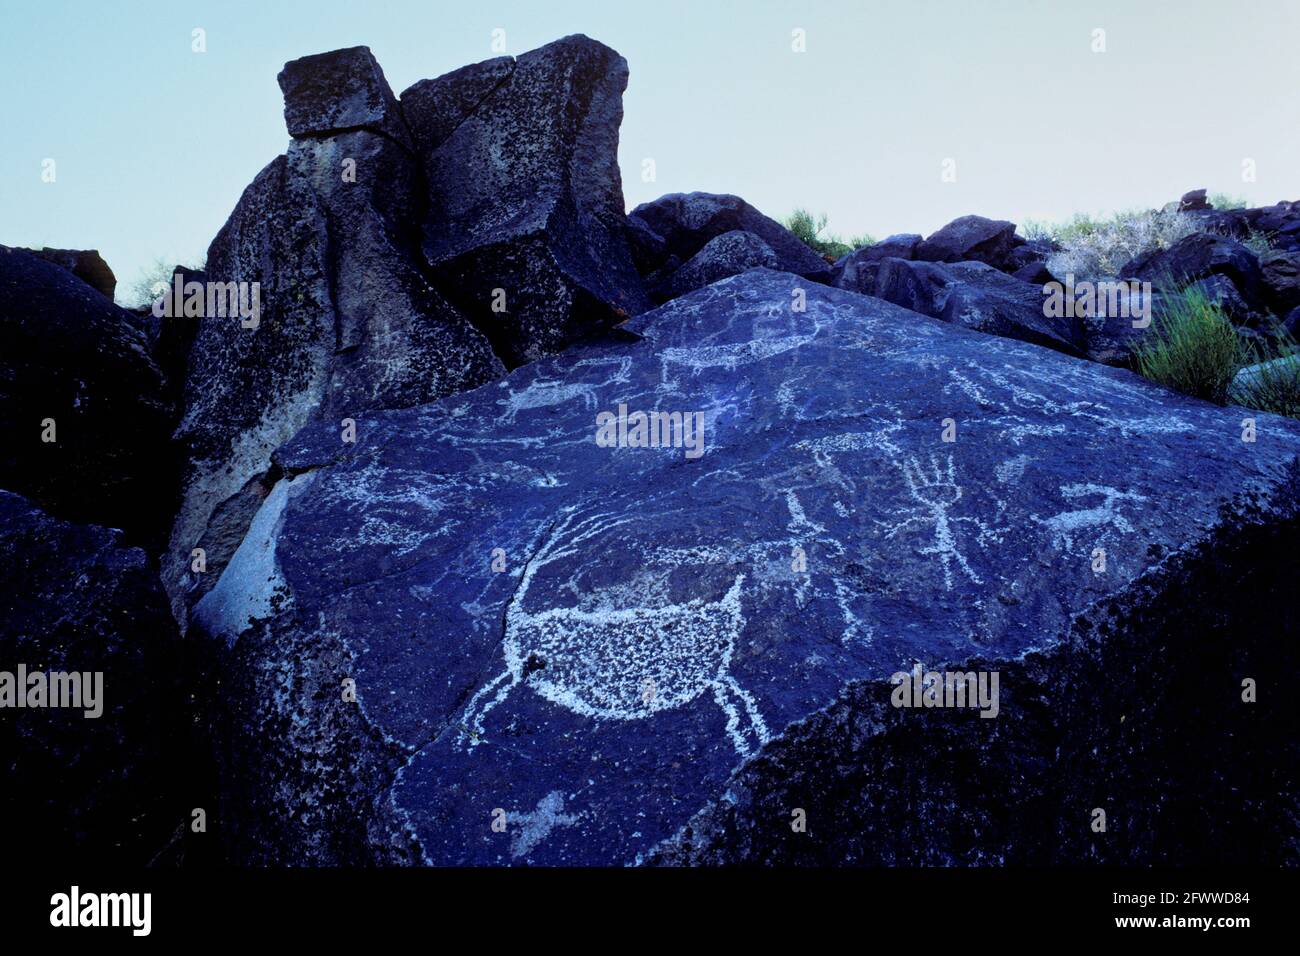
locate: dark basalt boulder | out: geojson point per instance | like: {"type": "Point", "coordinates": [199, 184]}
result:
{"type": "Point", "coordinates": [106, 789]}
{"type": "Point", "coordinates": [1197, 256]}
{"type": "Point", "coordinates": [972, 294]}
{"type": "Point", "coordinates": [848, 272]}
{"type": "Point", "coordinates": [86, 264]}
{"type": "Point", "coordinates": [726, 255]}
{"type": "Point", "coordinates": [648, 248]}
{"type": "Point", "coordinates": [340, 91]}
{"type": "Point", "coordinates": [610, 648]}
{"type": "Point", "coordinates": [1220, 291]}
{"type": "Point", "coordinates": [69, 354]}
{"type": "Point", "coordinates": [1112, 334]}
{"type": "Point", "coordinates": [1280, 223]}
{"type": "Point", "coordinates": [1280, 272]}
{"type": "Point", "coordinates": [1030, 258]}
{"type": "Point", "coordinates": [524, 228]}
{"type": "Point", "coordinates": [1035, 272]}
{"type": "Point", "coordinates": [434, 108]}
{"type": "Point", "coordinates": [973, 239]}
{"type": "Point", "coordinates": [686, 221]}
{"type": "Point", "coordinates": [1195, 199]}
{"type": "Point", "coordinates": [171, 337]}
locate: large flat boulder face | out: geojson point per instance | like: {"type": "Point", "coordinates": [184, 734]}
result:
{"type": "Point", "coordinates": [76, 371]}
{"type": "Point", "coordinates": [600, 643]}
{"type": "Point", "coordinates": [107, 788]}
{"type": "Point", "coordinates": [525, 197]}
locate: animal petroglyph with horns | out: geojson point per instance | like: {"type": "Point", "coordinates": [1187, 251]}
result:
{"type": "Point", "coordinates": [620, 664]}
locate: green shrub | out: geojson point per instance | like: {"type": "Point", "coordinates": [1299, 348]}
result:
{"type": "Point", "coordinates": [1258, 242]}
{"type": "Point", "coordinates": [1224, 201]}
{"type": "Point", "coordinates": [1272, 382]}
{"type": "Point", "coordinates": [1192, 348]}
{"type": "Point", "coordinates": [808, 228]}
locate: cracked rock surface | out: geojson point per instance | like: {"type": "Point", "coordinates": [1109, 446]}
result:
{"type": "Point", "coordinates": [669, 637]}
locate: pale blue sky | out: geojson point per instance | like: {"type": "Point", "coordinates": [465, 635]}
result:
{"type": "Point", "coordinates": [154, 143]}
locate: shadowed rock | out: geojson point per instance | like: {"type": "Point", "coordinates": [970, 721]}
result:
{"type": "Point", "coordinates": [686, 221]}
{"type": "Point", "coordinates": [972, 294]}
{"type": "Point", "coordinates": [848, 272]}
{"type": "Point", "coordinates": [71, 357]}
{"type": "Point", "coordinates": [661, 627]}
{"type": "Point", "coordinates": [349, 320]}
{"type": "Point", "coordinates": [1220, 291]}
{"type": "Point", "coordinates": [726, 255]}
{"type": "Point", "coordinates": [1198, 256]}
{"type": "Point", "coordinates": [973, 238]}
{"type": "Point", "coordinates": [104, 789]}
{"type": "Point", "coordinates": [524, 228]}
{"type": "Point", "coordinates": [1280, 272]}
{"type": "Point", "coordinates": [86, 264]}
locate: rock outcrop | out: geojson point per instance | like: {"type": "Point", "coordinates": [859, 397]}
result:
{"type": "Point", "coordinates": [973, 239]}
{"type": "Point", "coordinates": [106, 788]}
{"type": "Point", "coordinates": [524, 227]}
{"type": "Point", "coordinates": [972, 294]}
{"type": "Point", "coordinates": [1199, 256]}
{"type": "Point", "coordinates": [619, 644]}
{"type": "Point", "coordinates": [687, 221]}
{"type": "Point", "coordinates": [378, 245]}
{"type": "Point", "coordinates": [84, 409]}
{"type": "Point", "coordinates": [721, 257]}
{"type": "Point", "coordinates": [86, 264]}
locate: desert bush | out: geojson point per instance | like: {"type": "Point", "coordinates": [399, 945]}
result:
{"type": "Point", "coordinates": [1257, 241]}
{"type": "Point", "coordinates": [1099, 248]}
{"type": "Point", "coordinates": [1191, 348]}
{"type": "Point", "coordinates": [808, 228]}
{"type": "Point", "coordinates": [1224, 201]}
{"type": "Point", "coordinates": [1273, 382]}
{"type": "Point", "coordinates": [140, 291]}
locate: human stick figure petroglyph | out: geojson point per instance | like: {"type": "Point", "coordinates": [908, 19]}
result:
{"type": "Point", "coordinates": [598, 663]}
{"type": "Point", "coordinates": [936, 493]}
